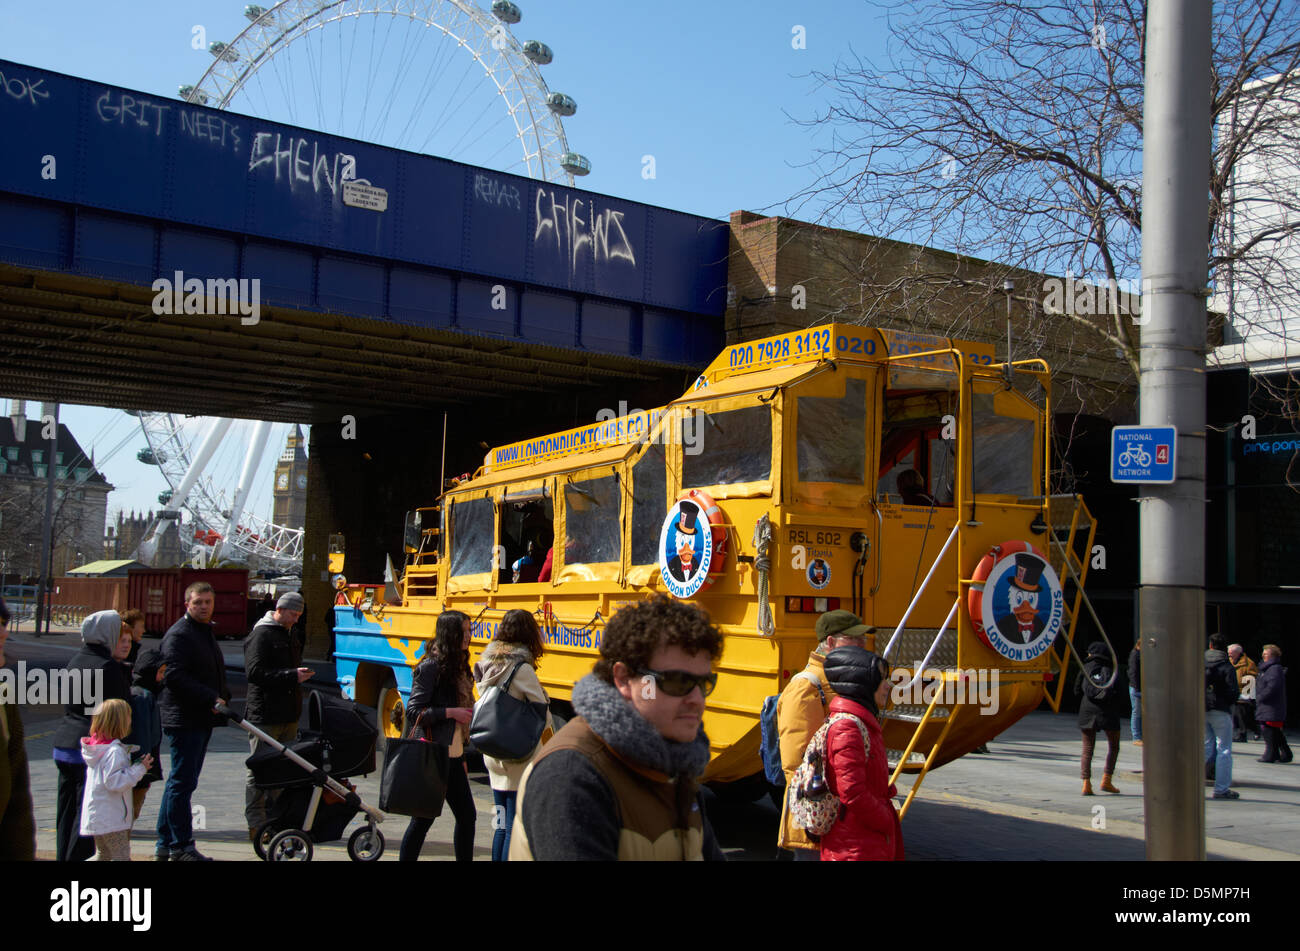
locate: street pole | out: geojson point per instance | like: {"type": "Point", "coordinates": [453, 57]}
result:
{"type": "Point", "coordinates": [47, 524]}
{"type": "Point", "coordinates": [1175, 250]}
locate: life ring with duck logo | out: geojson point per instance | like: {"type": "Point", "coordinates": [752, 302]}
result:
{"type": "Point", "coordinates": [1016, 603]}
{"type": "Point", "coordinates": [691, 558]}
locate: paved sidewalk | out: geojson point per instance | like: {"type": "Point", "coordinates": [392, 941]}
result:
{"type": "Point", "coordinates": [1024, 797]}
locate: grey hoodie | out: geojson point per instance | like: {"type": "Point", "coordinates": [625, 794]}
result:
{"type": "Point", "coordinates": [102, 628]}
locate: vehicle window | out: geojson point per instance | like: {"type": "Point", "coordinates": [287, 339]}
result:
{"type": "Point", "coordinates": [649, 504]}
{"type": "Point", "coordinates": [591, 523]}
{"type": "Point", "coordinates": [527, 533]}
{"type": "Point", "coordinates": [1003, 451]}
{"type": "Point", "coordinates": [916, 462]}
{"type": "Point", "coordinates": [832, 439]}
{"type": "Point", "coordinates": [724, 448]}
{"type": "Point", "coordinates": [471, 537]}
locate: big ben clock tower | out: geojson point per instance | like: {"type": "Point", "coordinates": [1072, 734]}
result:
{"type": "Point", "coordinates": [291, 482]}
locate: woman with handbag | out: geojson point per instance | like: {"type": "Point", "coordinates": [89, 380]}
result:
{"type": "Point", "coordinates": [441, 691]}
{"type": "Point", "coordinates": [511, 659]}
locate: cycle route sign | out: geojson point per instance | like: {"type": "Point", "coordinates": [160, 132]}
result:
{"type": "Point", "coordinates": [1143, 454]}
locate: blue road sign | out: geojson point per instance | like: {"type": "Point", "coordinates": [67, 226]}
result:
{"type": "Point", "coordinates": [1143, 454]}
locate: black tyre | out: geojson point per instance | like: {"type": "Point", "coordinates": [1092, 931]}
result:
{"type": "Point", "coordinates": [366, 845]}
{"type": "Point", "coordinates": [265, 833]}
{"type": "Point", "coordinates": [291, 845]}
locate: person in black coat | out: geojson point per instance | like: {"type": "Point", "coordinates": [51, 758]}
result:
{"type": "Point", "coordinates": [146, 723]}
{"type": "Point", "coordinates": [104, 646]}
{"type": "Point", "coordinates": [1100, 708]}
{"type": "Point", "coordinates": [17, 820]}
{"type": "Point", "coordinates": [440, 708]}
{"type": "Point", "coordinates": [193, 685]}
{"type": "Point", "coordinates": [1270, 705]}
{"type": "Point", "coordinates": [273, 666]}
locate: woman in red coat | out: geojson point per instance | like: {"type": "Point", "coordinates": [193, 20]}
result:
{"type": "Point", "coordinates": [868, 829]}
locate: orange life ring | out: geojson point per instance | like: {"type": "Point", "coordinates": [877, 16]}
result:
{"type": "Point", "coordinates": [975, 599]}
{"type": "Point", "coordinates": [717, 533]}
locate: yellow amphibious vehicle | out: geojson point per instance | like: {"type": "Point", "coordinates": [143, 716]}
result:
{"type": "Point", "coordinates": [900, 476]}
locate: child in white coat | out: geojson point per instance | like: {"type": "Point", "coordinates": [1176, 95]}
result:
{"type": "Point", "coordinates": [106, 808]}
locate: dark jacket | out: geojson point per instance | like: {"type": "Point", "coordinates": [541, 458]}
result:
{"type": "Point", "coordinates": [271, 661]}
{"type": "Point", "coordinates": [1100, 713]}
{"type": "Point", "coordinates": [17, 824]}
{"type": "Point", "coordinates": [99, 634]}
{"type": "Point", "coordinates": [1222, 676]}
{"type": "Point", "coordinates": [146, 722]}
{"type": "Point", "coordinates": [427, 708]}
{"type": "Point", "coordinates": [1270, 692]}
{"type": "Point", "coordinates": [195, 678]}
{"type": "Point", "coordinates": [1135, 669]}
{"type": "Point", "coordinates": [609, 786]}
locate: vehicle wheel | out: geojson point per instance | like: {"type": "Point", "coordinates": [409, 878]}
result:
{"type": "Point", "coordinates": [366, 845]}
{"type": "Point", "coordinates": [291, 845]}
{"type": "Point", "coordinates": [388, 707]}
{"type": "Point", "coordinates": [265, 833]}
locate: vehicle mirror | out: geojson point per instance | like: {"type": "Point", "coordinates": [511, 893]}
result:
{"type": "Point", "coordinates": [414, 531]}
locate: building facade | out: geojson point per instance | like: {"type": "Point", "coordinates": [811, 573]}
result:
{"type": "Point", "coordinates": [80, 496]}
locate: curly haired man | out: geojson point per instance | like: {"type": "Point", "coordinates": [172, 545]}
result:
{"type": "Point", "coordinates": [619, 781]}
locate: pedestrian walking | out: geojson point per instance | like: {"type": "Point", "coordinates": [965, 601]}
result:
{"type": "Point", "coordinates": [442, 689]}
{"type": "Point", "coordinates": [17, 821]}
{"type": "Point", "coordinates": [104, 646]}
{"type": "Point", "coordinates": [1220, 694]}
{"type": "Point", "coordinates": [1270, 709]}
{"type": "Point", "coordinates": [273, 666]}
{"type": "Point", "coordinates": [620, 780]}
{"type": "Point", "coordinates": [802, 708]}
{"type": "Point", "coordinates": [146, 719]}
{"type": "Point", "coordinates": [193, 686]}
{"type": "Point", "coordinates": [857, 772]}
{"type": "Point", "coordinates": [1099, 710]}
{"type": "Point", "coordinates": [1135, 690]}
{"type": "Point", "coordinates": [512, 655]}
{"type": "Point", "coordinates": [106, 808]}
{"type": "Point", "coordinates": [1243, 711]}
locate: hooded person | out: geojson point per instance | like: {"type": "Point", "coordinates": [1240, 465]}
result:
{"type": "Point", "coordinates": [857, 772]}
{"type": "Point", "coordinates": [100, 676]}
{"type": "Point", "coordinates": [1100, 707]}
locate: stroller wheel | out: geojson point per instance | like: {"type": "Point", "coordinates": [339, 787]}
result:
{"type": "Point", "coordinates": [291, 845]}
{"type": "Point", "coordinates": [265, 833]}
{"type": "Point", "coordinates": [366, 845]}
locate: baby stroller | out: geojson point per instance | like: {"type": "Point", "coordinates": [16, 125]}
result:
{"type": "Point", "coordinates": [316, 801]}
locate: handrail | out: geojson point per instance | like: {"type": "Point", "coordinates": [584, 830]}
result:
{"type": "Point", "coordinates": [1087, 602]}
{"type": "Point", "coordinates": [880, 537]}
{"type": "Point", "coordinates": [921, 590]}
{"type": "Point", "coordinates": [934, 645]}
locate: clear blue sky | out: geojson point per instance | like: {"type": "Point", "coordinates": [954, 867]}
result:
{"type": "Point", "coordinates": [706, 87]}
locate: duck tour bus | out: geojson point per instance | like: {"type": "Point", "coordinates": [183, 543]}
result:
{"type": "Point", "coordinates": [901, 476]}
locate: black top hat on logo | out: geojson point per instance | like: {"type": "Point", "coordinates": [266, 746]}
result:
{"type": "Point", "coordinates": [1029, 570]}
{"type": "Point", "coordinates": [686, 518]}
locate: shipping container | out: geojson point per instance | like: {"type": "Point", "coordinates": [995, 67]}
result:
{"type": "Point", "coordinates": [160, 594]}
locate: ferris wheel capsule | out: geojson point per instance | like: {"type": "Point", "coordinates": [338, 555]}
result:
{"type": "Point", "coordinates": [575, 164]}
{"type": "Point", "coordinates": [223, 51]}
{"type": "Point", "coordinates": [254, 12]}
{"type": "Point", "coordinates": [506, 12]}
{"type": "Point", "coordinates": [538, 52]}
{"type": "Point", "coordinates": [189, 94]}
{"type": "Point", "coordinates": [561, 104]}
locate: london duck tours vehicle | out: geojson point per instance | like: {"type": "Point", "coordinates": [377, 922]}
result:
{"type": "Point", "coordinates": [901, 476]}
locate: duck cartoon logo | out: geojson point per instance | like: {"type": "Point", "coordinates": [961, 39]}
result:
{"type": "Point", "coordinates": [684, 550]}
{"type": "Point", "coordinates": [1023, 613]}
{"type": "Point", "coordinates": [819, 573]}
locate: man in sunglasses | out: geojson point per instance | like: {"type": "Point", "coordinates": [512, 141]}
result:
{"type": "Point", "coordinates": [619, 781]}
{"type": "Point", "coordinates": [802, 709]}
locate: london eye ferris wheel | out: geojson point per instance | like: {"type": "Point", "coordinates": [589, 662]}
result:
{"type": "Point", "coordinates": [445, 77]}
